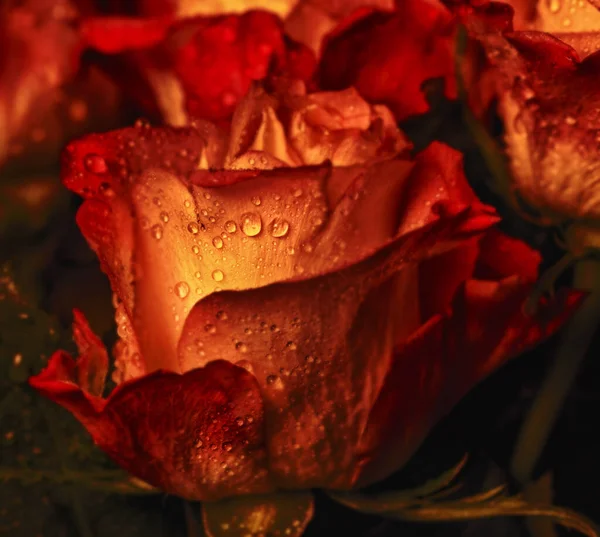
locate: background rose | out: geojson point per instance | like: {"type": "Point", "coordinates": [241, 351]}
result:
{"type": "Point", "coordinates": [288, 320]}
{"type": "Point", "coordinates": [550, 130]}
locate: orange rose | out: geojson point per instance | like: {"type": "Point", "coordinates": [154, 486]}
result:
{"type": "Point", "coordinates": [285, 323]}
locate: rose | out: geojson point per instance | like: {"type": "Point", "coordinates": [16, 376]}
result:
{"type": "Point", "coordinates": [388, 55]}
{"type": "Point", "coordinates": [550, 128]}
{"type": "Point", "coordinates": [197, 67]}
{"type": "Point", "coordinates": [286, 328]}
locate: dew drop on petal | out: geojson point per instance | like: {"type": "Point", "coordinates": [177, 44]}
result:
{"type": "Point", "coordinates": [251, 224]}
{"type": "Point", "coordinates": [193, 228]}
{"type": "Point", "coordinates": [95, 164]}
{"type": "Point", "coordinates": [182, 289]}
{"type": "Point", "coordinates": [218, 275]}
{"type": "Point", "coordinates": [157, 231]}
{"type": "Point", "coordinates": [227, 446]}
{"type": "Point", "coordinates": [164, 216]}
{"type": "Point", "coordinates": [230, 226]}
{"type": "Point", "coordinates": [256, 200]}
{"type": "Point", "coordinates": [217, 242]}
{"type": "Point", "coordinates": [279, 227]}
{"type": "Point", "coordinates": [196, 249]}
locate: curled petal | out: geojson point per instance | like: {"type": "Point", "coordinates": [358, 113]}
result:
{"type": "Point", "coordinates": [320, 361]}
{"type": "Point", "coordinates": [197, 435]}
{"type": "Point", "coordinates": [575, 23]}
{"type": "Point", "coordinates": [92, 365]}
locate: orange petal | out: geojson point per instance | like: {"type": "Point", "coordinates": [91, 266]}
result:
{"type": "Point", "coordinates": [320, 350]}
{"type": "Point", "coordinates": [204, 441]}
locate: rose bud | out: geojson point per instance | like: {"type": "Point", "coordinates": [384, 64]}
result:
{"type": "Point", "coordinates": [547, 100]}
{"type": "Point", "coordinates": [298, 302]}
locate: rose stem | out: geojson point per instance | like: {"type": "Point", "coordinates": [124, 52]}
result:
{"type": "Point", "coordinates": [572, 348]}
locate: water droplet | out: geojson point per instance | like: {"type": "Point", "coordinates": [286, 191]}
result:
{"type": "Point", "coordinates": [291, 346]}
{"type": "Point", "coordinates": [182, 289]}
{"type": "Point", "coordinates": [218, 275]}
{"type": "Point", "coordinates": [256, 200]}
{"type": "Point", "coordinates": [210, 328]}
{"type": "Point", "coordinates": [251, 224]}
{"type": "Point", "coordinates": [217, 242]}
{"type": "Point", "coordinates": [193, 228]}
{"type": "Point", "coordinates": [164, 216]}
{"type": "Point", "coordinates": [157, 231]}
{"type": "Point", "coordinates": [95, 164]}
{"type": "Point", "coordinates": [221, 315]}
{"type": "Point", "coordinates": [279, 227]}
{"type": "Point", "coordinates": [230, 226]}
{"type": "Point", "coordinates": [240, 422]}
{"type": "Point", "coordinates": [570, 120]}
{"type": "Point", "coordinates": [272, 379]}
{"type": "Point", "coordinates": [554, 5]}
{"type": "Point", "coordinates": [227, 446]}
{"type": "Point", "coordinates": [196, 249]}
{"type": "Point", "coordinates": [241, 346]}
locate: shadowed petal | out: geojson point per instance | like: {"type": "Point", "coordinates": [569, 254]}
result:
{"type": "Point", "coordinates": [197, 435]}
{"type": "Point", "coordinates": [442, 361]}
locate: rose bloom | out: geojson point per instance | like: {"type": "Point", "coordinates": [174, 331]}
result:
{"type": "Point", "coordinates": [547, 99]}
{"type": "Point", "coordinates": [298, 301]}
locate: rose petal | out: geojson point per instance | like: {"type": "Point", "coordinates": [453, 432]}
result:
{"type": "Point", "coordinates": [276, 514]}
{"type": "Point", "coordinates": [310, 21]}
{"type": "Point", "coordinates": [92, 365]}
{"type": "Point", "coordinates": [298, 128]}
{"type": "Point", "coordinates": [216, 59]}
{"type": "Point", "coordinates": [575, 23]}
{"type": "Point", "coordinates": [321, 361]}
{"type": "Point", "coordinates": [387, 56]}
{"type": "Point", "coordinates": [283, 219]}
{"type": "Point", "coordinates": [502, 256]}
{"type": "Point", "coordinates": [442, 361]}
{"type": "Point", "coordinates": [197, 435]}
{"type": "Point", "coordinates": [190, 8]}
{"type": "Point", "coordinates": [117, 34]}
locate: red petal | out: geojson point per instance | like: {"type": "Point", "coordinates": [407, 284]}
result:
{"type": "Point", "coordinates": [319, 348]}
{"type": "Point", "coordinates": [92, 366]}
{"type": "Point", "coordinates": [217, 58]}
{"type": "Point", "coordinates": [117, 34]}
{"type": "Point", "coordinates": [441, 362]}
{"type": "Point", "coordinates": [100, 165]}
{"type": "Point", "coordinates": [387, 57]}
{"type": "Point", "coordinates": [197, 435]}
{"type": "Point", "coordinates": [502, 256]}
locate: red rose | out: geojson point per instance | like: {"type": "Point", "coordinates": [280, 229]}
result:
{"type": "Point", "coordinates": [285, 328]}
{"type": "Point", "coordinates": [196, 67]}
{"type": "Point", "coordinates": [387, 56]}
